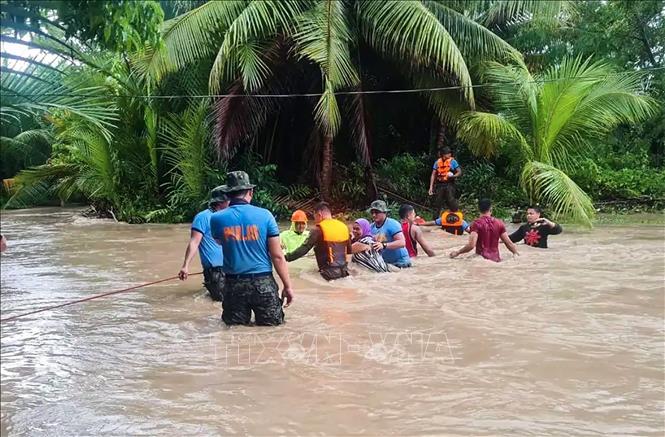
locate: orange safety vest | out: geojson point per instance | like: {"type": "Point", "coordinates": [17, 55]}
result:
{"type": "Point", "coordinates": [451, 222]}
{"type": "Point", "coordinates": [442, 169]}
{"type": "Point", "coordinates": [331, 252]}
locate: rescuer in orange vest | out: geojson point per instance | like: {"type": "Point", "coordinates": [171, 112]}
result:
{"type": "Point", "coordinates": [445, 172]}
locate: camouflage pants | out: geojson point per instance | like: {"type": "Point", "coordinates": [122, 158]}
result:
{"type": "Point", "coordinates": [213, 279]}
{"type": "Point", "coordinates": [244, 295]}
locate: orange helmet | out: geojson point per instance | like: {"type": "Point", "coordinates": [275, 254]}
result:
{"type": "Point", "coordinates": [299, 216]}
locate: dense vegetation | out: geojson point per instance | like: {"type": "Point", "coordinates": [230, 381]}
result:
{"type": "Point", "coordinates": [139, 108]}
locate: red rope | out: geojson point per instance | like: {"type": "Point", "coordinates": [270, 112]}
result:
{"type": "Point", "coordinates": [97, 296]}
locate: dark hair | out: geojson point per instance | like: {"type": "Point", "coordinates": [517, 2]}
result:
{"type": "Point", "coordinates": [536, 208]}
{"type": "Point", "coordinates": [404, 210]}
{"type": "Point", "coordinates": [321, 207]}
{"type": "Point", "coordinates": [238, 194]}
{"type": "Point", "coordinates": [484, 205]}
{"type": "Point", "coordinates": [453, 205]}
{"type": "Point", "coordinates": [445, 149]}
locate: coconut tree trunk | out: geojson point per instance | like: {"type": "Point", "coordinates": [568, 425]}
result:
{"type": "Point", "coordinates": [326, 167]}
{"type": "Point", "coordinates": [441, 137]}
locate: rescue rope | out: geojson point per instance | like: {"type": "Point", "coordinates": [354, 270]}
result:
{"type": "Point", "coordinates": [97, 296]}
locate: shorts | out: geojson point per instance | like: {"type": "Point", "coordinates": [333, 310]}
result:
{"type": "Point", "coordinates": [258, 294]}
{"type": "Point", "coordinates": [213, 279]}
{"type": "Point", "coordinates": [332, 273]}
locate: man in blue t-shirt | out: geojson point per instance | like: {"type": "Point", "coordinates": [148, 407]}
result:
{"type": "Point", "coordinates": [210, 252]}
{"type": "Point", "coordinates": [250, 243]}
{"type": "Point", "coordinates": [388, 235]}
{"type": "Point", "coordinates": [445, 172]}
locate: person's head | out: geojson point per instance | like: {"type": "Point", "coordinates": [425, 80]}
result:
{"type": "Point", "coordinates": [407, 213]}
{"type": "Point", "coordinates": [238, 186]}
{"type": "Point", "coordinates": [218, 200]}
{"type": "Point", "coordinates": [453, 205]}
{"type": "Point", "coordinates": [379, 210]}
{"type": "Point", "coordinates": [485, 206]}
{"type": "Point", "coordinates": [361, 228]}
{"type": "Point", "coordinates": [299, 220]}
{"type": "Point", "coordinates": [445, 152]}
{"type": "Point", "coordinates": [322, 212]}
{"type": "Point", "coordinates": [533, 213]}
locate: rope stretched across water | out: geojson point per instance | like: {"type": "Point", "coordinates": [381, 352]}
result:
{"type": "Point", "coordinates": [96, 296]}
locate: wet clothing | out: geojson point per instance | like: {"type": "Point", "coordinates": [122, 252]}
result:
{"type": "Point", "coordinates": [489, 230]}
{"type": "Point", "coordinates": [210, 252]}
{"type": "Point", "coordinates": [452, 222]}
{"type": "Point", "coordinates": [331, 242]}
{"type": "Point", "coordinates": [291, 239]}
{"type": "Point", "coordinates": [370, 258]}
{"type": "Point", "coordinates": [258, 293]}
{"type": "Point", "coordinates": [213, 280]}
{"type": "Point", "coordinates": [411, 243]}
{"type": "Point", "coordinates": [244, 230]}
{"type": "Point", "coordinates": [535, 236]}
{"type": "Point", "coordinates": [444, 194]}
{"type": "Point", "coordinates": [386, 234]}
{"type": "Point", "coordinates": [365, 227]}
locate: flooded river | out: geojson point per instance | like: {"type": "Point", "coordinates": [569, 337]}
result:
{"type": "Point", "coordinates": [564, 341]}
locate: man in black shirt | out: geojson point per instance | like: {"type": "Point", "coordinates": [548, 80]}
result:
{"type": "Point", "coordinates": [536, 230]}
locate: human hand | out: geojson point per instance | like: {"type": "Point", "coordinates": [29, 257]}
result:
{"type": "Point", "coordinates": [431, 191]}
{"type": "Point", "coordinates": [377, 245]}
{"type": "Point", "coordinates": [183, 273]}
{"type": "Point", "coordinates": [454, 254]}
{"type": "Point", "coordinates": [287, 296]}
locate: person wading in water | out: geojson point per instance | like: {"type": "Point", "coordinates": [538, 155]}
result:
{"type": "Point", "coordinates": [536, 230]}
{"type": "Point", "coordinates": [210, 252]}
{"type": "Point", "coordinates": [331, 242]}
{"type": "Point", "coordinates": [250, 242]}
{"type": "Point", "coordinates": [412, 233]}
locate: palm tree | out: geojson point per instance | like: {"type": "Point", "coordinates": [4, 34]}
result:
{"type": "Point", "coordinates": [545, 123]}
{"type": "Point", "coordinates": [437, 40]}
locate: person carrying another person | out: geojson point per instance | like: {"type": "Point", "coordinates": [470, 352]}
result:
{"type": "Point", "coordinates": [388, 235]}
{"type": "Point", "coordinates": [412, 233]}
{"type": "Point", "coordinates": [536, 230]}
{"type": "Point", "coordinates": [445, 172]}
{"type": "Point", "coordinates": [451, 220]}
{"type": "Point", "coordinates": [210, 253]}
{"type": "Point", "coordinates": [250, 243]}
{"type": "Point", "coordinates": [331, 242]}
{"type": "Point", "coordinates": [486, 232]}
{"type": "Point", "coordinates": [295, 236]}
{"type": "Point", "coordinates": [361, 247]}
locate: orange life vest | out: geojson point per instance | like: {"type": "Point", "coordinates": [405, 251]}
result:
{"type": "Point", "coordinates": [331, 252]}
{"type": "Point", "coordinates": [451, 222]}
{"type": "Point", "coordinates": [443, 168]}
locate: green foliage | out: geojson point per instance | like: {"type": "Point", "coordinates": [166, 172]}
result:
{"type": "Point", "coordinates": [604, 183]}
{"type": "Point", "coordinates": [551, 121]}
{"type": "Point", "coordinates": [407, 175]}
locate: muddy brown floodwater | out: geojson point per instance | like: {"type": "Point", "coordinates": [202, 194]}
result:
{"type": "Point", "coordinates": [564, 341]}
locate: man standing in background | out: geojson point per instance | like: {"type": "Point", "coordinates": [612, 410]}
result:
{"type": "Point", "coordinates": [445, 172]}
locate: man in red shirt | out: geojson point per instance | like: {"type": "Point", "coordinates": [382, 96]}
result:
{"type": "Point", "coordinates": [486, 232]}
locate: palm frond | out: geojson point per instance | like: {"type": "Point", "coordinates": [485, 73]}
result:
{"type": "Point", "coordinates": [506, 12]}
{"type": "Point", "coordinates": [553, 187]}
{"type": "Point", "coordinates": [411, 32]}
{"type": "Point", "coordinates": [485, 133]}
{"type": "Point", "coordinates": [258, 20]}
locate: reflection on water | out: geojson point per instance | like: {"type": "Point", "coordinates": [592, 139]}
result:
{"type": "Point", "coordinates": [566, 341]}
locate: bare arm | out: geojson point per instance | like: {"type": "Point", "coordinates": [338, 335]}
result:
{"type": "Point", "coordinates": [281, 267]}
{"type": "Point", "coordinates": [458, 172]}
{"type": "Point", "coordinates": [431, 182]}
{"type": "Point", "coordinates": [509, 244]}
{"type": "Point", "coordinates": [192, 248]}
{"type": "Point", "coordinates": [397, 243]}
{"type": "Point", "coordinates": [473, 238]}
{"type": "Point", "coordinates": [418, 236]}
{"type": "Point", "coordinates": [305, 247]}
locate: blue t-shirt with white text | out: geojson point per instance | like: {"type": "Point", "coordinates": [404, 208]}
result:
{"type": "Point", "coordinates": [243, 230]}
{"type": "Point", "coordinates": [209, 251]}
{"type": "Point", "coordinates": [386, 233]}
